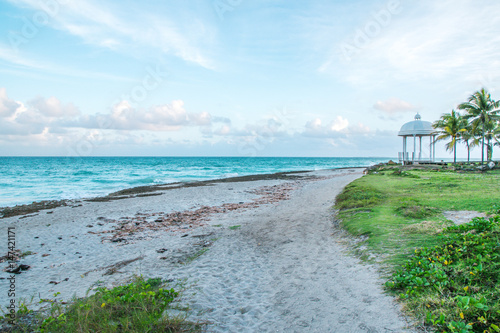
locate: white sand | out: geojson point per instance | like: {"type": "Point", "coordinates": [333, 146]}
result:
{"type": "Point", "coordinates": [283, 270]}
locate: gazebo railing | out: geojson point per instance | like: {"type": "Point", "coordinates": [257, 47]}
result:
{"type": "Point", "coordinates": [410, 157]}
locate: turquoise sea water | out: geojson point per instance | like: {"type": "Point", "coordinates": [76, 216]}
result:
{"type": "Point", "coordinates": [27, 179]}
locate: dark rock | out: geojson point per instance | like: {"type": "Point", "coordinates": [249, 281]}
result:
{"type": "Point", "coordinates": [18, 269]}
{"type": "Point", "coordinates": [116, 240]}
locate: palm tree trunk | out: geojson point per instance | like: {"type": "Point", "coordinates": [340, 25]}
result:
{"type": "Point", "coordinates": [482, 148]}
{"type": "Point", "coordinates": [455, 153]}
{"type": "Point", "coordinates": [489, 149]}
{"type": "Point", "coordinates": [468, 152]}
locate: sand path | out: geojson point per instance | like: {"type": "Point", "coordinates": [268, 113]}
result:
{"type": "Point", "coordinates": [283, 270]}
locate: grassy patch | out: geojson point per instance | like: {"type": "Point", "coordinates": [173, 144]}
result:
{"type": "Point", "coordinates": [136, 307]}
{"type": "Point", "coordinates": [411, 208]}
{"type": "Point", "coordinates": [234, 227]}
{"type": "Point", "coordinates": [402, 226]}
{"type": "Point", "coordinates": [358, 195]}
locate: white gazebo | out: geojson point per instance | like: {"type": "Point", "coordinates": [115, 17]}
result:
{"type": "Point", "coordinates": [418, 129]}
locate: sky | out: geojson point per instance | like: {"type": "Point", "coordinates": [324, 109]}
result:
{"type": "Point", "coordinates": [237, 77]}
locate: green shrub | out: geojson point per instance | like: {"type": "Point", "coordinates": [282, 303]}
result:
{"type": "Point", "coordinates": [136, 307]}
{"type": "Point", "coordinates": [461, 276]}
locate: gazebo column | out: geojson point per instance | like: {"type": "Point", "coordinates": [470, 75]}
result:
{"type": "Point", "coordinates": [430, 149]}
{"type": "Point", "coordinates": [403, 159]}
{"type": "Point", "coordinates": [414, 147]}
{"type": "Point", "coordinates": [433, 148]}
{"type": "Point", "coordinates": [406, 149]}
{"type": "Point", "coordinates": [420, 148]}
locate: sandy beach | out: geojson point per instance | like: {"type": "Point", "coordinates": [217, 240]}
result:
{"type": "Point", "coordinates": [258, 254]}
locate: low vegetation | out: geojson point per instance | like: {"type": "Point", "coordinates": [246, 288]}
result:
{"type": "Point", "coordinates": [140, 306]}
{"type": "Point", "coordinates": [446, 275]}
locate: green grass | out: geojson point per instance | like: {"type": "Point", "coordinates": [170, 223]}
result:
{"type": "Point", "coordinates": [234, 227]}
{"type": "Point", "coordinates": [139, 306]}
{"type": "Point", "coordinates": [399, 215]}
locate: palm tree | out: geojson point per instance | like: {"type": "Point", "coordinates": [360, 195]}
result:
{"type": "Point", "coordinates": [451, 126]}
{"type": "Point", "coordinates": [481, 109]}
{"type": "Point", "coordinates": [492, 137]}
{"type": "Point", "coordinates": [496, 134]}
{"type": "Point", "coordinates": [470, 138]}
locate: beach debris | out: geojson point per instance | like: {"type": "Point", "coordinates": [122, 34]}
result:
{"type": "Point", "coordinates": [15, 255]}
{"type": "Point", "coordinates": [127, 226]}
{"type": "Point", "coordinates": [90, 226]}
{"type": "Point", "coordinates": [31, 208]}
{"type": "Point", "coordinates": [203, 235]}
{"type": "Point", "coordinates": [116, 240]}
{"type": "Point", "coordinates": [26, 216]}
{"type": "Point", "coordinates": [45, 255]}
{"type": "Point", "coordinates": [161, 250]}
{"type": "Point", "coordinates": [111, 269]}
{"type": "Point", "coordinates": [105, 219]}
{"type": "Point", "coordinates": [55, 282]}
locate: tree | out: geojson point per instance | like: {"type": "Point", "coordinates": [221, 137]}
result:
{"type": "Point", "coordinates": [470, 138]}
{"type": "Point", "coordinates": [492, 136]}
{"type": "Point", "coordinates": [481, 109]}
{"type": "Point", "coordinates": [450, 126]}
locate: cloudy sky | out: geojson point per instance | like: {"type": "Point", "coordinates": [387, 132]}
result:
{"type": "Point", "coordinates": [237, 77]}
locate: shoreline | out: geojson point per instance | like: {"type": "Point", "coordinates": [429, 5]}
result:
{"type": "Point", "coordinates": [250, 252]}
{"type": "Point", "coordinates": [145, 191]}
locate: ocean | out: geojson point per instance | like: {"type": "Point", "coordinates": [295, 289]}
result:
{"type": "Point", "coordinates": [24, 180]}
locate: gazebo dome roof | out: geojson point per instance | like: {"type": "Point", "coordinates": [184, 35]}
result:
{"type": "Point", "coordinates": [416, 127]}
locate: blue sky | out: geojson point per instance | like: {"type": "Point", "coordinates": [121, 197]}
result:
{"type": "Point", "coordinates": [236, 77]}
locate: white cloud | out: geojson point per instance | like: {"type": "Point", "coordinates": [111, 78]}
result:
{"type": "Point", "coordinates": [38, 116]}
{"type": "Point", "coordinates": [335, 128]}
{"type": "Point", "coordinates": [166, 117]}
{"type": "Point", "coordinates": [42, 116]}
{"type": "Point", "coordinates": [52, 107]}
{"type": "Point", "coordinates": [339, 124]}
{"type": "Point", "coordinates": [7, 106]}
{"type": "Point", "coordinates": [394, 105]}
